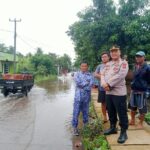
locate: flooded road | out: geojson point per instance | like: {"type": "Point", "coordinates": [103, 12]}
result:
{"type": "Point", "coordinates": [40, 121]}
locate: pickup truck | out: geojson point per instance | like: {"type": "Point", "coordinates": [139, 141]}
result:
{"type": "Point", "coordinates": [16, 83]}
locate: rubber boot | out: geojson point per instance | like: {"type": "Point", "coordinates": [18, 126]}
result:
{"type": "Point", "coordinates": [111, 130]}
{"type": "Point", "coordinates": [123, 136]}
{"type": "Point", "coordinates": [132, 121]}
{"type": "Point", "coordinates": [141, 118]}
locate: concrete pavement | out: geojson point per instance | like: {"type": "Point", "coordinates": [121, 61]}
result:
{"type": "Point", "coordinates": [137, 139]}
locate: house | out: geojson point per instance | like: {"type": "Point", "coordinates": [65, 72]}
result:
{"type": "Point", "coordinates": [6, 62]}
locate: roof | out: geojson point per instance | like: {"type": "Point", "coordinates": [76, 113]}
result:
{"type": "Point", "coordinates": [6, 56]}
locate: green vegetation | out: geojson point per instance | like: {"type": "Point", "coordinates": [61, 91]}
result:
{"type": "Point", "coordinates": [42, 66]}
{"type": "Point", "coordinates": [93, 139]}
{"type": "Point", "coordinates": [40, 78]}
{"type": "Point", "coordinates": [105, 24]}
{"type": "Point", "coordinates": [4, 48]}
{"type": "Point", "coordinates": [147, 118]}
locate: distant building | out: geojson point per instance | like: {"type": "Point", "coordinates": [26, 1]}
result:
{"type": "Point", "coordinates": [6, 62]}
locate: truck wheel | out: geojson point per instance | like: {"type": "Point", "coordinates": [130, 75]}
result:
{"type": "Point", "coordinates": [5, 93]}
{"type": "Point", "coordinates": [25, 92]}
{"type": "Point", "coordinates": [29, 88]}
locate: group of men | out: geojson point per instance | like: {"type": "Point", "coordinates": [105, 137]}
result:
{"type": "Point", "coordinates": [112, 91]}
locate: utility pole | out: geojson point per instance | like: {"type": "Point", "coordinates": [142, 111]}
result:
{"type": "Point", "coordinates": [15, 35]}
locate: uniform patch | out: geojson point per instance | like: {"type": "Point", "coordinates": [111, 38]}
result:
{"type": "Point", "coordinates": [124, 66]}
{"type": "Point", "coordinates": [115, 69]}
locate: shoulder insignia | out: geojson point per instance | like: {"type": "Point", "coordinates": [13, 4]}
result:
{"type": "Point", "coordinates": [124, 65]}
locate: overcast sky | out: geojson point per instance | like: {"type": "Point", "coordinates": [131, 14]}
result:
{"type": "Point", "coordinates": [44, 23]}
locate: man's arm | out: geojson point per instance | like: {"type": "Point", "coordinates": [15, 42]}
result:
{"type": "Point", "coordinates": [119, 76]}
{"type": "Point", "coordinates": [103, 82]}
{"type": "Point", "coordinates": [148, 74]}
{"type": "Point", "coordinates": [80, 82]}
{"type": "Point", "coordinates": [90, 83]}
{"type": "Point", "coordinates": [97, 72]}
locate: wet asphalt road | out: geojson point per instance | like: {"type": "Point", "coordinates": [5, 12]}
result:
{"type": "Point", "coordinates": [40, 121]}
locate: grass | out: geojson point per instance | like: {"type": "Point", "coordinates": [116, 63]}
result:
{"type": "Point", "coordinates": [92, 136]}
{"type": "Point", "coordinates": [147, 118]}
{"type": "Point", "coordinates": [40, 78]}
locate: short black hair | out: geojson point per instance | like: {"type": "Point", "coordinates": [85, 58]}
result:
{"type": "Point", "coordinates": [105, 52]}
{"type": "Point", "coordinates": [84, 62]}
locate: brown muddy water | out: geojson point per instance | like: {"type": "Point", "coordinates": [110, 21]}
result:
{"type": "Point", "coordinates": [40, 121]}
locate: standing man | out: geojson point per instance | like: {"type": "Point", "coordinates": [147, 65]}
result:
{"type": "Point", "coordinates": [105, 57]}
{"type": "Point", "coordinates": [84, 83]}
{"type": "Point", "coordinates": [113, 81]}
{"type": "Point", "coordinates": [139, 87]}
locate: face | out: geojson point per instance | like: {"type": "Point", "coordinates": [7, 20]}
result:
{"type": "Point", "coordinates": [84, 67]}
{"type": "Point", "coordinates": [105, 58]}
{"type": "Point", "coordinates": [115, 55]}
{"type": "Point", "coordinates": [139, 59]}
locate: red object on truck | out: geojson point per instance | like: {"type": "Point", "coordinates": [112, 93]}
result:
{"type": "Point", "coordinates": [14, 83]}
{"type": "Point", "coordinates": [17, 76]}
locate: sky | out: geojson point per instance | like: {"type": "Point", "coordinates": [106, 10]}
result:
{"type": "Point", "coordinates": [43, 24]}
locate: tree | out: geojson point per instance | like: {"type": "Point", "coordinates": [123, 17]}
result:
{"type": "Point", "coordinates": [42, 70]}
{"type": "Point", "coordinates": [104, 24]}
{"type": "Point", "coordinates": [46, 60]}
{"type": "Point", "coordinates": [64, 63]}
{"type": "Point", "coordinates": [39, 51]}
{"type": "Point", "coordinates": [5, 49]}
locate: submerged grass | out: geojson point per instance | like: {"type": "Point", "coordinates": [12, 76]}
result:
{"type": "Point", "coordinates": [40, 78]}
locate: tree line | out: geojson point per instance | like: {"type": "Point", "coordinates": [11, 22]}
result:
{"type": "Point", "coordinates": [40, 63]}
{"type": "Point", "coordinates": [105, 24]}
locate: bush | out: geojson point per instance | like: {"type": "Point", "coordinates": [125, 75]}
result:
{"type": "Point", "coordinates": [93, 139]}
{"type": "Point", "coordinates": [147, 118]}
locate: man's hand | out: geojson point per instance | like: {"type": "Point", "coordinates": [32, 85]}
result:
{"type": "Point", "coordinates": [106, 87]}
{"type": "Point", "coordinates": [97, 75]}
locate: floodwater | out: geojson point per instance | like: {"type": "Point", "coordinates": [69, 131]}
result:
{"type": "Point", "coordinates": [40, 121]}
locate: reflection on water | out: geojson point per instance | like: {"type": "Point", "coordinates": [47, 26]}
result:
{"type": "Point", "coordinates": [41, 121]}
{"type": "Point", "coordinates": [60, 94]}
{"type": "Point", "coordinates": [54, 87]}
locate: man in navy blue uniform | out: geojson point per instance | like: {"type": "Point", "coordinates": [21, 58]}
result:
{"type": "Point", "coordinates": [84, 83]}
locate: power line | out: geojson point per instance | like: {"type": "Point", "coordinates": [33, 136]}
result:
{"type": "Point", "coordinates": [25, 39]}
{"type": "Point", "coordinates": [4, 30]}
{"type": "Point", "coordinates": [27, 43]}
{"type": "Point", "coordinates": [35, 41]}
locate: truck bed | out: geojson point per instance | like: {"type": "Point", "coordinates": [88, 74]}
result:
{"type": "Point", "coordinates": [14, 83]}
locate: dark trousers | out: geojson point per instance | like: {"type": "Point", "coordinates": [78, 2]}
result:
{"type": "Point", "coordinates": [116, 105]}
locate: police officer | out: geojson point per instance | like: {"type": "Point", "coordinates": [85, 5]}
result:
{"type": "Point", "coordinates": [113, 81]}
